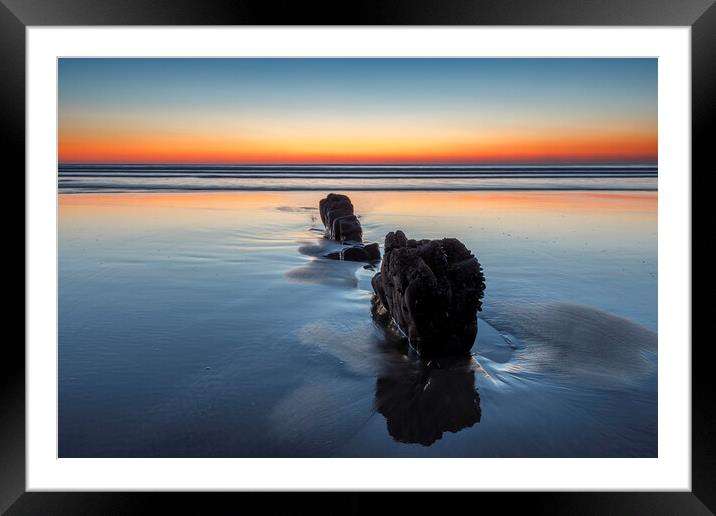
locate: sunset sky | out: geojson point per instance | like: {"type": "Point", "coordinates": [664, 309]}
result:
{"type": "Point", "coordinates": [357, 111]}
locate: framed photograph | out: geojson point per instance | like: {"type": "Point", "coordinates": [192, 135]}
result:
{"type": "Point", "coordinates": [412, 251]}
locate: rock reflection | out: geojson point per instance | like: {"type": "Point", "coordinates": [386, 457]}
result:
{"type": "Point", "coordinates": [422, 400]}
{"type": "Point", "coordinates": [324, 271]}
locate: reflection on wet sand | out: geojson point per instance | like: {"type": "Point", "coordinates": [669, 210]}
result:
{"type": "Point", "coordinates": [324, 271]}
{"type": "Point", "coordinates": [422, 400]}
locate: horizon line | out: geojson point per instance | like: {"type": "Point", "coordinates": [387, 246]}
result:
{"type": "Point", "coordinates": [353, 164]}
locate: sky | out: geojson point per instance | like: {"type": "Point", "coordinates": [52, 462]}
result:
{"type": "Point", "coordinates": [360, 111]}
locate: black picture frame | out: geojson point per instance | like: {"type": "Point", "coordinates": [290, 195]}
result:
{"type": "Point", "coordinates": [17, 15]}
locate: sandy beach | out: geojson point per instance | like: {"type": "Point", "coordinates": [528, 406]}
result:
{"type": "Point", "coordinates": [206, 324]}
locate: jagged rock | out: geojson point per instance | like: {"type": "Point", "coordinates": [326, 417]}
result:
{"type": "Point", "coordinates": [429, 291]}
{"type": "Point", "coordinates": [346, 229]}
{"type": "Point", "coordinates": [341, 223]}
{"type": "Point", "coordinates": [333, 202]}
{"type": "Point", "coordinates": [337, 215]}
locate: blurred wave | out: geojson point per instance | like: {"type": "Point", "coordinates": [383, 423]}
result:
{"type": "Point", "coordinates": [130, 178]}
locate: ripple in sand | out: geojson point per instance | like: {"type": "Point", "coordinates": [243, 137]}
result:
{"type": "Point", "coordinates": [576, 340]}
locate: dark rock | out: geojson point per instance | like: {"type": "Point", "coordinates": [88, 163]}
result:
{"type": "Point", "coordinates": [333, 202]}
{"type": "Point", "coordinates": [346, 229]}
{"type": "Point", "coordinates": [337, 215]}
{"type": "Point", "coordinates": [373, 251]}
{"type": "Point", "coordinates": [350, 254]}
{"type": "Point", "coordinates": [334, 215]}
{"type": "Point", "coordinates": [341, 223]}
{"type": "Point", "coordinates": [357, 253]}
{"type": "Point", "coordinates": [429, 291]}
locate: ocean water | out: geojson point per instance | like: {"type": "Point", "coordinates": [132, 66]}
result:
{"type": "Point", "coordinates": [123, 178]}
{"type": "Point", "coordinates": [202, 321]}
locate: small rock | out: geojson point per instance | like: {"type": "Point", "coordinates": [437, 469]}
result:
{"type": "Point", "coordinates": [342, 224]}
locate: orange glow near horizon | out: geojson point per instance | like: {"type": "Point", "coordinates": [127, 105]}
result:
{"type": "Point", "coordinates": [517, 148]}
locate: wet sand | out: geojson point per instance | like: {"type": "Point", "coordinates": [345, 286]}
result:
{"type": "Point", "coordinates": [206, 324]}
